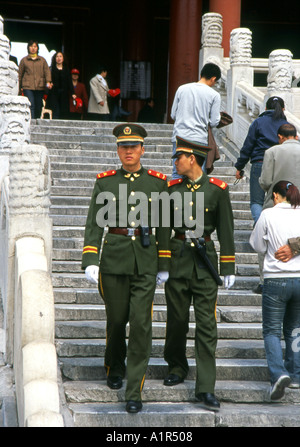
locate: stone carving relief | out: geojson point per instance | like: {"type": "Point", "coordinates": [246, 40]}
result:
{"type": "Point", "coordinates": [14, 110]}
{"type": "Point", "coordinates": [240, 46]}
{"type": "Point", "coordinates": [212, 30]}
{"type": "Point", "coordinates": [29, 180]}
{"type": "Point", "coordinates": [280, 70]}
{"type": "Point", "coordinates": [14, 120]}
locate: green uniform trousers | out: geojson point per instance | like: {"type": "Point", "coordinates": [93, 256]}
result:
{"type": "Point", "coordinates": [128, 298]}
{"type": "Point", "coordinates": [180, 293]}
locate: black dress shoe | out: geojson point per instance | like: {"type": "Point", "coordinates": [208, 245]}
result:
{"type": "Point", "coordinates": [134, 406]}
{"type": "Point", "coordinates": [172, 379]}
{"type": "Point", "coordinates": [114, 382]}
{"type": "Point", "coordinates": [209, 401]}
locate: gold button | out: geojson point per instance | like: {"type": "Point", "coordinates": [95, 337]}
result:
{"type": "Point", "coordinates": [132, 193]}
{"type": "Point", "coordinates": [206, 209]}
{"type": "Point", "coordinates": [133, 238]}
{"type": "Point", "coordinates": [192, 190]}
{"type": "Point", "coordinates": [192, 244]}
{"type": "Point", "coordinates": [131, 179]}
{"type": "Point", "coordinates": [132, 208]}
{"type": "Point", "coordinates": [191, 203]}
{"type": "Point", "coordinates": [191, 218]}
{"type": "Point", "coordinates": [132, 224]}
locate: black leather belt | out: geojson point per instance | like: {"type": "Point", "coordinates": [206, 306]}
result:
{"type": "Point", "coordinates": [127, 231]}
{"type": "Point", "coordinates": [182, 237]}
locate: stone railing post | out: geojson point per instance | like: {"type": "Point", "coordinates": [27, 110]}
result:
{"type": "Point", "coordinates": [27, 215]}
{"type": "Point", "coordinates": [211, 39]}
{"type": "Point", "coordinates": [280, 76]}
{"type": "Point", "coordinates": [240, 70]}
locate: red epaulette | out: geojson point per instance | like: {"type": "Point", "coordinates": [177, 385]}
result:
{"type": "Point", "coordinates": [219, 183]}
{"type": "Point", "coordinates": [106, 174]}
{"type": "Point", "coordinates": [174, 182]}
{"type": "Point", "coordinates": [157, 174]}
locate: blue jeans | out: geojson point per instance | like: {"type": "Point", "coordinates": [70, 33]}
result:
{"type": "Point", "coordinates": [35, 97]}
{"type": "Point", "coordinates": [281, 309]}
{"type": "Point", "coordinates": [257, 194]}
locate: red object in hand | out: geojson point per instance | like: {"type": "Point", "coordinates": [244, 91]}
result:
{"type": "Point", "coordinates": [114, 92]}
{"type": "Point", "coordinates": [79, 103]}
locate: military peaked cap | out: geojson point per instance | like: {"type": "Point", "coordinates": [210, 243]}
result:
{"type": "Point", "coordinates": [190, 147]}
{"type": "Point", "coordinates": [129, 134]}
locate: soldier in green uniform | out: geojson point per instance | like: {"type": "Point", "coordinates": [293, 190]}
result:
{"type": "Point", "coordinates": [190, 279]}
{"type": "Point", "coordinates": [132, 259]}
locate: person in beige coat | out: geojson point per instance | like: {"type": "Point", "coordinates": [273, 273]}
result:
{"type": "Point", "coordinates": [98, 106]}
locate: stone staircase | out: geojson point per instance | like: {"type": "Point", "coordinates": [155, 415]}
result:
{"type": "Point", "coordinates": [78, 151]}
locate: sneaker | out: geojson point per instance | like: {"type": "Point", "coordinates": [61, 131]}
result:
{"type": "Point", "coordinates": [294, 385]}
{"type": "Point", "coordinates": [277, 390]}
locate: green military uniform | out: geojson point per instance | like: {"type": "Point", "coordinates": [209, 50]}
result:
{"type": "Point", "coordinates": [190, 281]}
{"type": "Point", "coordinates": [127, 269]}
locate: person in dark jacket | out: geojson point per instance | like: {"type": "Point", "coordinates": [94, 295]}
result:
{"type": "Point", "coordinates": [79, 99]}
{"type": "Point", "coordinates": [58, 99]}
{"type": "Point", "coordinates": [262, 134]}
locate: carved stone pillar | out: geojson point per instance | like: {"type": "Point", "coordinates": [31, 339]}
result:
{"type": "Point", "coordinates": [27, 214]}
{"type": "Point", "coordinates": [211, 39]}
{"type": "Point", "coordinates": [280, 76]}
{"type": "Point", "coordinates": [14, 109]}
{"type": "Point", "coordinates": [240, 68]}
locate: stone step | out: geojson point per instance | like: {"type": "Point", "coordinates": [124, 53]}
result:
{"type": "Point", "coordinates": [91, 130]}
{"type": "Point", "coordinates": [246, 392]}
{"type": "Point", "coordinates": [74, 266]}
{"type": "Point", "coordinates": [95, 124]}
{"type": "Point", "coordinates": [43, 138]}
{"type": "Point", "coordinates": [228, 314]}
{"type": "Point", "coordinates": [72, 183]}
{"type": "Point", "coordinates": [238, 349]}
{"type": "Point", "coordinates": [97, 329]}
{"type": "Point", "coordinates": [64, 295]}
{"type": "Point", "coordinates": [189, 415]}
{"type": "Point", "coordinates": [78, 281]}
{"type": "Point", "coordinates": [92, 368]}
{"type": "Point", "coordinates": [73, 254]}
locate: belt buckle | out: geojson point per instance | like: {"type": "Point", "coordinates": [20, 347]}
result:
{"type": "Point", "coordinates": [130, 231]}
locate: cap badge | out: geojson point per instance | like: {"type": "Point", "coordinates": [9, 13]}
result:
{"type": "Point", "coordinates": [127, 131]}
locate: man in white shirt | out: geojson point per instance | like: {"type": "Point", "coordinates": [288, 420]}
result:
{"type": "Point", "coordinates": [195, 107]}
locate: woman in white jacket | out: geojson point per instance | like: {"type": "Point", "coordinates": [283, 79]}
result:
{"type": "Point", "coordinates": [281, 290]}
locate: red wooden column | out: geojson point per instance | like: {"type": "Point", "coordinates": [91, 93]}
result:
{"type": "Point", "coordinates": [137, 42]}
{"type": "Point", "coordinates": [231, 13]}
{"type": "Point", "coordinates": [185, 37]}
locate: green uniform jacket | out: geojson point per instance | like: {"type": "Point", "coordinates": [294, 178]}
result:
{"type": "Point", "coordinates": [217, 216]}
{"type": "Point", "coordinates": [125, 255]}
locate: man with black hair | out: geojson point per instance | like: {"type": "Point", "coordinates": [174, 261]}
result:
{"type": "Point", "coordinates": [190, 277]}
{"type": "Point", "coordinates": [98, 105]}
{"type": "Point", "coordinates": [196, 106]}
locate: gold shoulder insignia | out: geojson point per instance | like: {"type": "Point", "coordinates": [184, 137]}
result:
{"type": "Point", "coordinates": [219, 183]}
{"type": "Point", "coordinates": [106, 174]}
{"type": "Point", "coordinates": [174, 182]}
{"type": "Point", "coordinates": [157, 174]}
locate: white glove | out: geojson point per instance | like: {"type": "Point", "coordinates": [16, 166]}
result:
{"type": "Point", "coordinates": [162, 277]}
{"type": "Point", "coordinates": [229, 281]}
{"type": "Point", "coordinates": [92, 273]}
